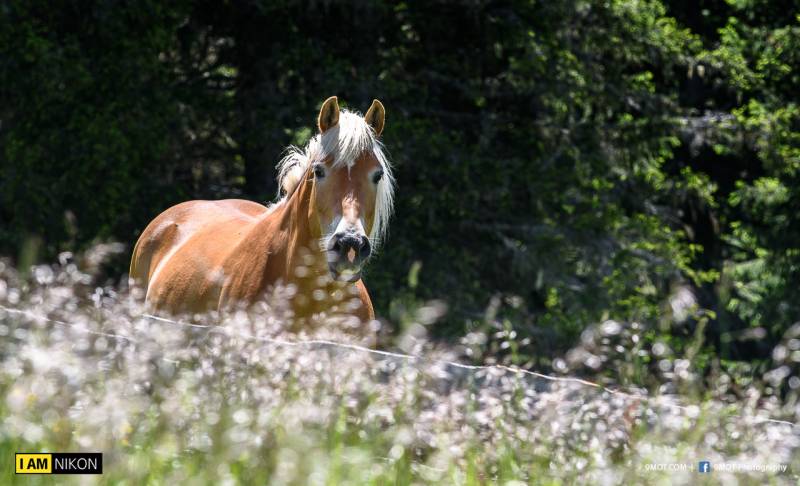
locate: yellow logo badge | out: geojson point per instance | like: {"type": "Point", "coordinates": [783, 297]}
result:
{"type": "Point", "coordinates": [33, 463]}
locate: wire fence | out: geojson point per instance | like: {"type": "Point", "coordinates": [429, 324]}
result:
{"type": "Point", "coordinates": [312, 343]}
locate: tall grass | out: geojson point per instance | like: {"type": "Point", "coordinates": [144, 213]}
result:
{"type": "Point", "coordinates": [175, 404]}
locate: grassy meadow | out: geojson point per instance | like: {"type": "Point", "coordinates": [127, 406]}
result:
{"type": "Point", "coordinates": [247, 402]}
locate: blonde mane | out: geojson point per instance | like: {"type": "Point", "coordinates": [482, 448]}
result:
{"type": "Point", "coordinates": [345, 143]}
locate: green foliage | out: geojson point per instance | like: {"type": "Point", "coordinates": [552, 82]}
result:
{"type": "Point", "coordinates": [570, 161]}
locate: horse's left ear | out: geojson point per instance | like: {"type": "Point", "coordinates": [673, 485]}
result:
{"type": "Point", "coordinates": [376, 116]}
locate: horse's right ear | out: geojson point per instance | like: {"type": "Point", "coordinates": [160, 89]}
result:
{"type": "Point", "coordinates": [328, 114]}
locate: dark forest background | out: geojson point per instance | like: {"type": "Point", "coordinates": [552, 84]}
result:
{"type": "Point", "coordinates": [559, 163]}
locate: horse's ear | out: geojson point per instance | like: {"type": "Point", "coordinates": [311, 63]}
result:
{"type": "Point", "coordinates": [328, 114]}
{"type": "Point", "coordinates": [375, 117]}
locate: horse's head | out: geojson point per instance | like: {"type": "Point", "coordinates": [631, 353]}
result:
{"type": "Point", "coordinates": [352, 185]}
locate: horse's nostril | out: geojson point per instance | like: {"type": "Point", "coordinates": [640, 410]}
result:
{"type": "Point", "coordinates": [365, 249]}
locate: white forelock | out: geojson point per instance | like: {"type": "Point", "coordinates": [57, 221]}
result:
{"type": "Point", "coordinates": [344, 143]}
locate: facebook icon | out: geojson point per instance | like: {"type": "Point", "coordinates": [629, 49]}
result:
{"type": "Point", "coordinates": [704, 466]}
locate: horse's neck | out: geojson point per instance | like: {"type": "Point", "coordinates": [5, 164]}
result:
{"type": "Point", "coordinates": [287, 232]}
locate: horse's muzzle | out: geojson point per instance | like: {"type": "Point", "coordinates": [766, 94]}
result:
{"type": "Point", "coordinates": [346, 254]}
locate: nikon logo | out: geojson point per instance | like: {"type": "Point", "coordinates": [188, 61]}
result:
{"type": "Point", "coordinates": [59, 463]}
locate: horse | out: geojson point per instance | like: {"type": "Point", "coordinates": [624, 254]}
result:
{"type": "Point", "coordinates": [335, 199]}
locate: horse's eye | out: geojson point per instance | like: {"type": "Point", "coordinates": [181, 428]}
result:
{"type": "Point", "coordinates": [319, 171]}
{"type": "Point", "coordinates": [376, 177]}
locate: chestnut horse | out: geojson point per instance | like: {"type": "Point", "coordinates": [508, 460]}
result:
{"type": "Point", "coordinates": [336, 200]}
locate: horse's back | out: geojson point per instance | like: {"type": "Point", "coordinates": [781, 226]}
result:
{"type": "Point", "coordinates": [189, 238]}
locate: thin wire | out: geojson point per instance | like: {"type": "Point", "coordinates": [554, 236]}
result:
{"type": "Point", "coordinates": [65, 324]}
{"type": "Point", "coordinates": [406, 357]}
{"type": "Point", "coordinates": [454, 364]}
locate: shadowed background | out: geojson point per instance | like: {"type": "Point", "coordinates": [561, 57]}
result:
{"type": "Point", "coordinates": [558, 163]}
